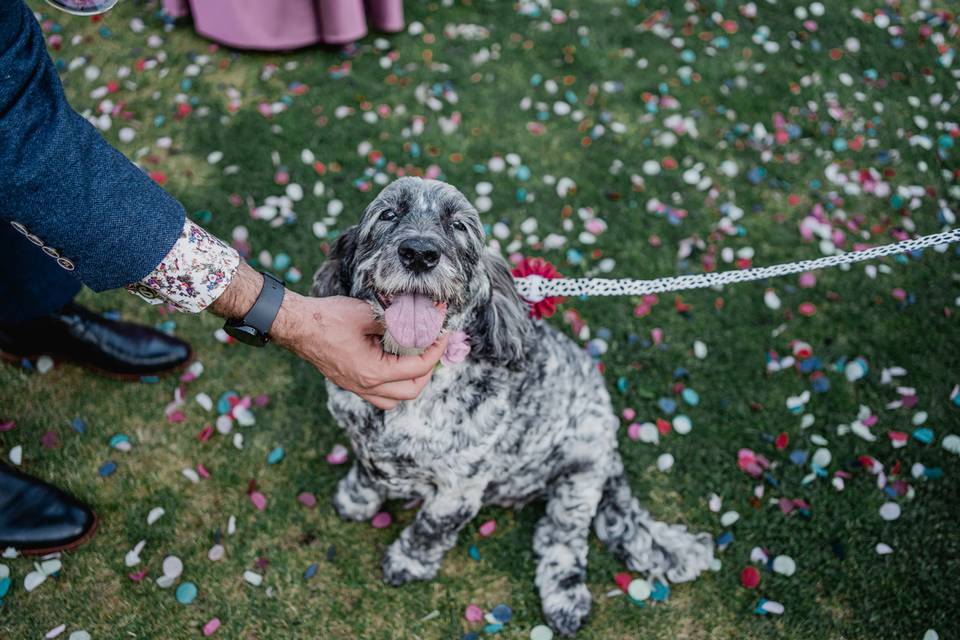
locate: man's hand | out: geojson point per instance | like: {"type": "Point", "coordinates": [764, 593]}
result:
{"type": "Point", "coordinates": [338, 336]}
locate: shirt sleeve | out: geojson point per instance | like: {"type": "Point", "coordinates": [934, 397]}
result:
{"type": "Point", "coordinates": [195, 272]}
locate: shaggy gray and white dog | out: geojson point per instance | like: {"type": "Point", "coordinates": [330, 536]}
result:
{"type": "Point", "coordinates": [525, 416]}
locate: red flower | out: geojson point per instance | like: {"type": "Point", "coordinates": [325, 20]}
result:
{"type": "Point", "coordinates": [539, 267]}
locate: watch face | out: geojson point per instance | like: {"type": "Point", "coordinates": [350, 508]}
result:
{"type": "Point", "coordinates": [245, 334]}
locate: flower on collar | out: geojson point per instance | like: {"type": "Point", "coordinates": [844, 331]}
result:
{"type": "Point", "coordinates": [539, 267]}
{"type": "Point", "coordinates": [458, 348]}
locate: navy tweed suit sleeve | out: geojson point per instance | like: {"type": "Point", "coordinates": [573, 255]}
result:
{"type": "Point", "coordinates": [61, 180]}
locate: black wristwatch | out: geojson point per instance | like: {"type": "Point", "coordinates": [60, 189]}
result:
{"type": "Point", "coordinates": [254, 328]}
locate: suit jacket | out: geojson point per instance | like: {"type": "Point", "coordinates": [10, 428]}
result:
{"type": "Point", "coordinates": [62, 185]}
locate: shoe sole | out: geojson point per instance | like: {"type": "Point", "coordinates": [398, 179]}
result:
{"type": "Point", "coordinates": [82, 540]}
{"type": "Point", "coordinates": [17, 361]}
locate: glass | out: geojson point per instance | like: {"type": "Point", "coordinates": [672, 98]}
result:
{"type": "Point", "coordinates": [84, 7]}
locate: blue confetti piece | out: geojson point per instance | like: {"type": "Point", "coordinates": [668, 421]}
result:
{"type": "Point", "coordinates": [4, 586]}
{"type": "Point", "coordinates": [79, 425]}
{"type": "Point", "coordinates": [934, 473]}
{"type": "Point", "coordinates": [311, 571]}
{"type": "Point", "coordinates": [186, 593]}
{"type": "Point", "coordinates": [118, 439]}
{"type": "Point", "coordinates": [149, 379]}
{"type": "Point", "coordinates": [474, 553]}
{"type": "Point", "coordinates": [660, 592]}
{"type": "Point", "coordinates": [924, 435]}
{"type": "Point", "coordinates": [493, 628]}
{"type": "Point", "coordinates": [502, 613]}
{"type": "Point", "coordinates": [471, 635]}
{"type": "Point", "coordinates": [281, 261]}
{"type": "Point", "coordinates": [107, 468]}
{"type": "Point", "coordinates": [223, 403]}
{"type": "Point", "coordinates": [820, 384]}
{"type": "Point", "coordinates": [275, 456]}
{"type": "Point", "coordinates": [725, 538]}
{"type": "Point", "coordinates": [691, 397]}
{"type": "Point", "coordinates": [798, 457]}
{"type": "Point", "coordinates": [760, 610]}
{"type": "Point", "coordinates": [667, 405]}
{"type": "Point", "coordinates": [890, 491]}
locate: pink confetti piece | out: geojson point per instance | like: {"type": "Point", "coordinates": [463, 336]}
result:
{"type": "Point", "coordinates": [211, 627]}
{"type": "Point", "coordinates": [487, 528]}
{"type": "Point", "coordinates": [338, 455]}
{"type": "Point", "coordinates": [258, 500]}
{"type": "Point", "coordinates": [307, 499]}
{"type": "Point", "coordinates": [382, 520]}
{"type": "Point", "coordinates": [473, 613]}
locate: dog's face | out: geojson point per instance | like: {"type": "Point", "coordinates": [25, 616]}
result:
{"type": "Point", "coordinates": [421, 237]}
{"type": "Point", "coordinates": [423, 240]}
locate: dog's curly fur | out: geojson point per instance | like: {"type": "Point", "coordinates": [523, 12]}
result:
{"type": "Point", "coordinates": [526, 416]}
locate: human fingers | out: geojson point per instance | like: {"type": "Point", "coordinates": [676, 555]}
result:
{"type": "Point", "coordinates": [394, 368]}
{"type": "Point", "coordinates": [401, 389]}
{"type": "Point", "coordinates": [378, 401]}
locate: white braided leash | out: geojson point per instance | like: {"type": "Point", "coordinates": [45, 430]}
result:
{"type": "Point", "coordinates": [536, 288]}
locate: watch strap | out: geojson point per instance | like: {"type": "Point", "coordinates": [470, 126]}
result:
{"type": "Point", "coordinates": [267, 306]}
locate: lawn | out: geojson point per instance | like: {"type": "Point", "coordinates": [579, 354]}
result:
{"type": "Point", "coordinates": [699, 135]}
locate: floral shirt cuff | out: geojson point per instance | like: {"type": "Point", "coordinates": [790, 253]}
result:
{"type": "Point", "coordinates": [194, 274]}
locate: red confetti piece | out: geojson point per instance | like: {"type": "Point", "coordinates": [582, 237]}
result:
{"type": "Point", "coordinates": [750, 577]}
{"type": "Point", "coordinates": [782, 440]}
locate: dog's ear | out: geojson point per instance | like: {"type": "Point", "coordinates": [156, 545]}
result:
{"type": "Point", "coordinates": [500, 326]}
{"type": "Point", "coordinates": [334, 276]}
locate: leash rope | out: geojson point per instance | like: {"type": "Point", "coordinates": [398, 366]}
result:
{"type": "Point", "coordinates": [536, 288]}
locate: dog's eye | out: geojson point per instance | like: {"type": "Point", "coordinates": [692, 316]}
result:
{"type": "Point", "coordinates": [459, 226]}
{"type": "Point", "coordinates": [389, 215]}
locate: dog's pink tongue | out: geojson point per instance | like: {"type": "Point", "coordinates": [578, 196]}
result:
{"type": "Point", "coordinates": [413, 321]}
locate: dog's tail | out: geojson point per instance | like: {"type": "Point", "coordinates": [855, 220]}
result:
{"type": "Point", "coordinates": [653, 548]}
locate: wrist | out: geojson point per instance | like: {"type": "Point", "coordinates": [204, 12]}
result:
{"type": "Point", "coordinates": [240, 295]}
{"type": "Point", "coordinates": [289, 323]}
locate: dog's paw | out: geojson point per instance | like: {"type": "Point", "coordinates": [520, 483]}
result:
{"type": "Point", "coordinates": [356, 503]}
{"type": "Point", "coordinates": [567, 607]}
{"type": "Point", "coordinates": [400, 568]}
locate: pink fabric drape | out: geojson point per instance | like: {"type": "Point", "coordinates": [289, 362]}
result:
{"type": "Point", "coordinates": [287, 24]}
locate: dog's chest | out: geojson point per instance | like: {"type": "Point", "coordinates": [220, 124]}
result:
{"type": "Point", "coordinates": [454, 424]}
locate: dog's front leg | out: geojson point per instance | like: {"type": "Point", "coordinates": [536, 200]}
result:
{"type": "Point", "coordinates": [358, 497]}
{"type": "Point", "coordinates": [417, 553]}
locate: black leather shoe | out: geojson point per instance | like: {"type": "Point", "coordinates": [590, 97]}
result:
{"type": "Point", "coordinates": [112, 348]}
{"type": "Point", "coordinates": [37, 518]}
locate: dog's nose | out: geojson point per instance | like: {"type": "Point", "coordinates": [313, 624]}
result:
{"type": "Point", "coordinates": [418, 255]}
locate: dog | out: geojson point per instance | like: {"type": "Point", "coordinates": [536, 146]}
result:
{"type": "Point", "coordinates": [525, 416]}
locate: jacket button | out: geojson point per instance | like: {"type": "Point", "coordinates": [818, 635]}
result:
{"type": "Point", "coordinates": [66, 263]}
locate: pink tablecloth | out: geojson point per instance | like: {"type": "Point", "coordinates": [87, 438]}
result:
{"type": "Point", "coordinates": [287, 24]}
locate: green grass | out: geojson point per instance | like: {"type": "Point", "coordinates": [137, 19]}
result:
{"type": "Point", "coordinates": [863, 595]}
